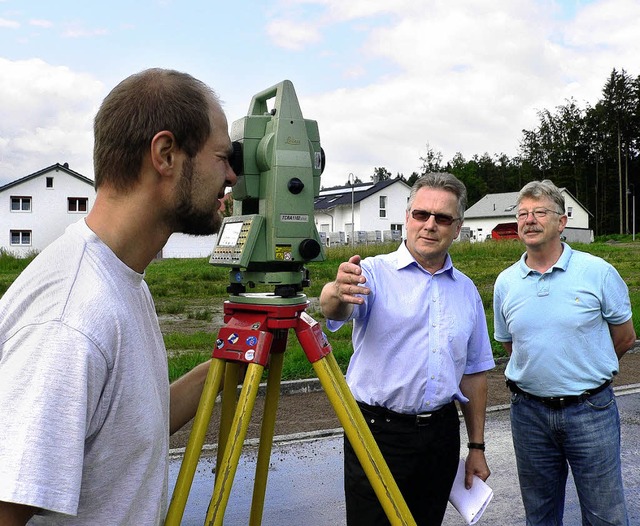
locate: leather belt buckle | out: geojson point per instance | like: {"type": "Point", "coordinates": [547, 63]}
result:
{"type": "Point", "coordinates": [558, 402]}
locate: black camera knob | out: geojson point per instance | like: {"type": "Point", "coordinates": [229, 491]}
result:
{"type": "Point", "coordinates": [309, 249]}
{"type": "Point", "coordinates": [295, 186]}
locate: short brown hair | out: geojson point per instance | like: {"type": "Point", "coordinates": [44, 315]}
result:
{"type": "Point", "coordinates": [136, 110]}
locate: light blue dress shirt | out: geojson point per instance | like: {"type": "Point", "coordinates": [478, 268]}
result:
{"type": "Point", "coordinates": [558, 323]}
{"type": "Point", "coordinates": [415, 335]}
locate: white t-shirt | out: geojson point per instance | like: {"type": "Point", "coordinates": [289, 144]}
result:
{"type": "Point", "coordinates": [84, 390]}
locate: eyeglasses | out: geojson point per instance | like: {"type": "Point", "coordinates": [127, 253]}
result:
{"type": "Point", "coordinates": [441, 219]}
{"type": "Point", "coordinates": [538, 213]}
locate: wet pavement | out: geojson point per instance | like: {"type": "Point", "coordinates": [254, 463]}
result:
{"type": "Point", "coordinates": [305, 477]}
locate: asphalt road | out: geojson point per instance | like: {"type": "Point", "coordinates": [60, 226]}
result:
{"type": "Point", "coordinates": [305, 479]}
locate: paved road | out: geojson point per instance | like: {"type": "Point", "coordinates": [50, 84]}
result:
{"type": "Point", "coordinates": [305, 480]}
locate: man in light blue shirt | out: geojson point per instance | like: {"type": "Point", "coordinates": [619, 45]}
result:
{"type": "Point", "coordinates": [564, 318]}
{"type": "Point", "coordinates": [420, 343]}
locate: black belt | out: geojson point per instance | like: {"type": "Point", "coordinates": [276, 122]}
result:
{"type": "Point", "coordinates": [558, 402]}
{"type": "Point", "coordinates": [419, 419]}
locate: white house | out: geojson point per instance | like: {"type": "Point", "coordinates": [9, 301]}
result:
{"type": "Point", "coordinates": [36, 209]}
{"type": "Point", "coordinates": [495, 214]}
{"type": "Point", "coordinates": [364, 209]}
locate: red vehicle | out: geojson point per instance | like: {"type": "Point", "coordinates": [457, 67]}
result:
{"type": "Point", "coordinates": [505, 231]}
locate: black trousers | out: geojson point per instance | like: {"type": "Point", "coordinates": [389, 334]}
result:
{"type": "Point", "coordinates": [423, 459]}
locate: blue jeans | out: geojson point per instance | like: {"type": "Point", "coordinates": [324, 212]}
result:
{"type": "Point", "coordinates": [584, 436]}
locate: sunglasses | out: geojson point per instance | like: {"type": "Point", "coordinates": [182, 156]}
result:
{"type": "Point", "coordinates": [441, 219]}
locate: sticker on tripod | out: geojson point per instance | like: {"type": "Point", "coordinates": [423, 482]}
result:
{"type": "Point", "coordinates": [307, 319]}
{"type": "Point", "coordinates": [238, 277]}
{"type": "Point", "coordinates": [219, 343]}
{"type": "Point", "coordinates": [250, 355]}
{"type": "Point", "coordinates": [251, 341]}
{"type": "Point", "coordinates": [233, 338]}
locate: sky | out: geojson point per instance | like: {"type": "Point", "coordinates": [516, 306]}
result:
{"type": "Point", "coordinates": [386, 80]}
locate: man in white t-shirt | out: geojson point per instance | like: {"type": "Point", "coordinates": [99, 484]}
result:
{"type": "Point", "coordinates": [86, 408]}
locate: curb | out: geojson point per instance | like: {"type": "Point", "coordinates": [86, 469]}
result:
{"type": "Point", "coordinates": [338, 431]}
{"type": "Point", "coordinates": [312, 385]}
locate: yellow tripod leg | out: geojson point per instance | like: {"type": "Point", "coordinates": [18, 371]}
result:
{"type": "Point", "coordinates": [226, 470]}
{"type": "Point", "coordinates": [194, 445]}
{"type": "Point", "coordinates": [266, 438]}
{"type": "Point", "coordinates": [228, 406]}
{"type": "Point", "coordinates": [362, 441]}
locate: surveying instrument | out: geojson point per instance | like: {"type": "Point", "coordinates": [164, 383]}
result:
{"type": "Point", "coordinates": [266, 243]}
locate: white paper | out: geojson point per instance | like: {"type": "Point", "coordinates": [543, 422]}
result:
{"type": "Point", "coordinates": [470, 503]}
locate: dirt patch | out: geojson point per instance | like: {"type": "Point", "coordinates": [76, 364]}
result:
{"type": "Point", "coordinates": [307, 412]}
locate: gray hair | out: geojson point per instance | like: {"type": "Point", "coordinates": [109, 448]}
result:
{"type": "Point", "coordinates": [443, 181]}
{"type": "Point", "coordinates": [542, 189]}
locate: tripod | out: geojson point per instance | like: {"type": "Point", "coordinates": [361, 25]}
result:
{"type": "Point", "coordinates": [254, 332]}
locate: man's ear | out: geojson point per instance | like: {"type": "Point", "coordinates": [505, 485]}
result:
{"type": "Point", "coordinates": [164, 150]}
{"type": "Point", "coordinates": [562, 223]}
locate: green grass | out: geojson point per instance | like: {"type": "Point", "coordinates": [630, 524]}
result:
{"type": "Point", "coordinates": [481, 261]}
{"type": "Point", "coordinates": [187, 287]}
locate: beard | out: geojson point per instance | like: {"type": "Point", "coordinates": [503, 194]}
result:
{"type": "Point", "coordinates": [187, 217]}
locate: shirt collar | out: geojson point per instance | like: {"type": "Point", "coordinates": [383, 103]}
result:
{"type": "Point", "coordinates": [405, 259]}
{"type": "Point", "coordinates": [561, 264]}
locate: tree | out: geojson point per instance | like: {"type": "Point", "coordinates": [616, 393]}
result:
{"type": "Point", "coordinates": [618, 95]}
{"type": "Point", "coordinates": [432, 161]}
{"type": "Point", "coordinates": [469, 173]}
{"type": "Point", "coordinates": [413, 178]}
{"type": "Point", "coordinates": [380, 174]}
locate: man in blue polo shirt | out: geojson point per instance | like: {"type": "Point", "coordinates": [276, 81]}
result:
{"type": "Point", "coordinates": [564, 318]}
{"type": "Point", "coordinates": [420, 342]}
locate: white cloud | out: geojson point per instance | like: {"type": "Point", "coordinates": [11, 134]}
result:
{"type": "Point", "coordinates": [382, 78]}
{"type": "Point", "coordinates": [41, 23]}
{"type": "Point", "coordinates": [80, 32]}
{"type": "Point", "coordinates": [470, 77]}
{"type": "Point", "coordinates": [290, 34]}
{"type": "Point", "coordinates": [49, 119]}
{"type": "Point", "coordinates": [11, 24]}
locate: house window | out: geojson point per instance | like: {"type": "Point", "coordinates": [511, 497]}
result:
{"type": "Point", "coordinates": [21, 238]}
{"type": "Point", "coordinates": [396, 226]}
{"type": "Point", "coordinates": [49, 182]}
{"type": "Point", "coordinates": [20, 204]}
{"type": "Point", "coordinates": [77, 204]}
{"type": "Point", "coordinates": [569, 211]}
{"type": "Point", "coordinates": [383, 206]}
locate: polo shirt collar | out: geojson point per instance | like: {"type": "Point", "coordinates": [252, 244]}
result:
{"type": "Point", "coordinates": [405, 259]}
{"type": "Point", "coordinates": [561, 264]}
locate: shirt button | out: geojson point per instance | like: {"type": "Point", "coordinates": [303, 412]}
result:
{"type": "Point", "coordinates": [428, 403]}
{"type": "Point", "coordinates": [433, 377]}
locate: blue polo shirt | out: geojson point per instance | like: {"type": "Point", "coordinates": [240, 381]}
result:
{"type": "Point", "coordinates": [558, 322]}
{"type": "Point", "coordinates": [415, 335]}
